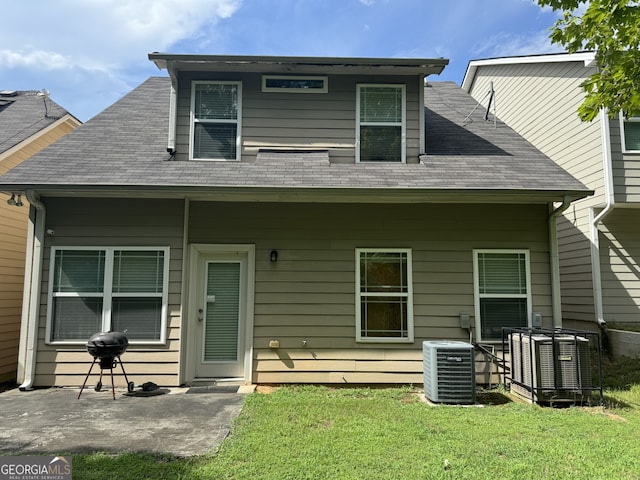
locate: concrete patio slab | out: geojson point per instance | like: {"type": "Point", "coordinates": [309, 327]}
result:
{"type": "Point", "coordinates": [55, 421]}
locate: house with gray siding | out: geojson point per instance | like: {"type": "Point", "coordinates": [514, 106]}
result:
{"type": "Point", "coordinates": [286, 220]}
{"type": "Point", "coordinates": [599, 236]}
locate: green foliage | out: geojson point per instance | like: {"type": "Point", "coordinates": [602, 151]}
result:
{"type": "Point", "coordinates": [611, 28]}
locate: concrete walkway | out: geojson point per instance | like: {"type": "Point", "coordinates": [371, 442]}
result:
{"type": "Point", "coordinates": [179, 421]}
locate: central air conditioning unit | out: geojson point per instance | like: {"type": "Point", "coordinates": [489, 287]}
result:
{"type": "Point", "coordinates": [550, 368]}
{"type": "Point", "coordinates": [449, 372]}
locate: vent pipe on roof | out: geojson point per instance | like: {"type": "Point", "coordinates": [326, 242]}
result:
{"type": "Point", "coordinates": [491, 94]}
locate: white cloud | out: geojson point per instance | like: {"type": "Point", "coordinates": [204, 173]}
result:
{"type": "Point", "coordinates": [90, 52]}
{"type": "Point", "coordinates": [32, 58]}
{"type": "Point", "coordinates": [103, 33]}
{"type": "Point", "coordinates": [511, 44]}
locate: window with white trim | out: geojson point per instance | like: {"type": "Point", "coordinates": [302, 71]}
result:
{"type": "Point", "coordinates": [502, 291]}
{"type": "Point", "coordinates": [295, 84]}
{"type": "Point", "coordinates": [105, 289]}
{"type": "Point", "coordinates": [216, 109]}
{"type": "Point", "coordinates": [384, 293]}
{"type": "Point", "coordinates": [630, 129]}
{"type": "Point", "coordinates": [381, 123]}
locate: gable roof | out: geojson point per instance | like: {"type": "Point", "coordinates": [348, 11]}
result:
{"type": "Point", "coordinates": [587, 57]}
{"type": "Point", "coordinates": [122, 152]}
{"type": "Point", "coordinates": [23, 114]}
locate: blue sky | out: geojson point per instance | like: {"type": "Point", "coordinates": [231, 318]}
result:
{"type": "Point", "coordinates": [89, 53]}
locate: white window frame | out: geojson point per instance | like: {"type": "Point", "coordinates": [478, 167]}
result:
{"type": "Point", "coordinates": [265, 88]}
{"type": "Point", "coordinates": [403, 123]}
{"type": "Point", "coordinates": [478, 295]}
{"type": "Point", "coordinates": [107, 294]}
{"type": "Point", "coordinates": [622, 132]}
{"type": "Point", "coordinates": [193, 120]}
{"type": "Point", "coordinates": [408, 295]}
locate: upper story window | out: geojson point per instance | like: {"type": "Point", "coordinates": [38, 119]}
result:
{"type": "Point", "coordinates": [630, 128]}
{"type": "Point", "coordinates": [502, 291]}
{"type": "Point", "coordinates": [381, 123]}
{"type": "Point", "coordinates": [294, 84]}
{"type": "Point", "coordinates": [216, 109]}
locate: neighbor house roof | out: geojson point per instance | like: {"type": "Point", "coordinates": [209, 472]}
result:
{"type": "Point", "coordinates": [122, 151]}
{"type": "Point", "coordinates": [25, 113]}
{"type": "Point", "coordinates": [588, 58]}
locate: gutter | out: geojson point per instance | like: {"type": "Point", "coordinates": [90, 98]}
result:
{"type": "Point", "coordinates": [31, 297]}
{"type": "Point", "coordinates": [607, 167]}
{"type": "Point", "coordinates": [556, 300]}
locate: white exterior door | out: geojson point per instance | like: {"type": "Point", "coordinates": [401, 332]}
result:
{"type": "Point", "coordinates": [220, 314]}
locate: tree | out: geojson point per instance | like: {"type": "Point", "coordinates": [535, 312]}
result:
{"type": "Point", "coordinates": [611, 28]}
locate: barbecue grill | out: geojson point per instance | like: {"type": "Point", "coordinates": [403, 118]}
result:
{"type": "Point", "coordinates": [106, 349]}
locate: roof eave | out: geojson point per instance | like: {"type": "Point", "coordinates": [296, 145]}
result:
{"type": "Point", "coordinates": [275, 64]}
{"type": "Point", "coordinates": [292, 194]}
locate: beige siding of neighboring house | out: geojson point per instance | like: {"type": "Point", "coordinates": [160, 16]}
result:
{"type": "Point", "coordinates": [114, 222]}
{"type": "Point", "coordinates": [13, 235]}
{"type": "Point", "coordinates": [540, 101]}
{"type": "Point", "coordinates": [320, 121]}
{"type": "Point", "coordinates": [309, 293]}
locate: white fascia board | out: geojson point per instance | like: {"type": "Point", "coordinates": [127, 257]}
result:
{"type": "Point", "coordinates": [588, 58]}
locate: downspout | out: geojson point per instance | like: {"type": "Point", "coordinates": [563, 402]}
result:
{"type": "Point", "coordinates": [31, 298]}
{"type": "Point", "coordinates": [556, 300]}
{"type": "Point", "coordinates": [173, 101]}
{"type": "Point", "coordinates": [609, 192]}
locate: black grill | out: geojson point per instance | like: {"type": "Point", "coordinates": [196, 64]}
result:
{"type": "Point", "coordinates": [106, 348]}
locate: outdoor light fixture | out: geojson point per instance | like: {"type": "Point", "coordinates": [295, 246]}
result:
{"type": "Point", "coordinates": [274, 255]}
{"type": "Point", "coordinates": [13, 202]}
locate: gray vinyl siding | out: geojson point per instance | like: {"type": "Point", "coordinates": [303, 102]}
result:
{"type": "Point", "coordinates": [626, 167]}
{"type": "Point", "coordinates": [317, 121]}
{"type": "Point", "coordinates": [619, 259]}
{"type": "Point", "coordinates": [114, 222]}
{"type": "Point", "coordinates": [309, 293]}
{"type": "Point", "coordinates": [540, 102]}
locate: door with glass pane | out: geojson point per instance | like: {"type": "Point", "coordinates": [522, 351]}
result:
{"type": "Point", "coordinates": [220, 317]}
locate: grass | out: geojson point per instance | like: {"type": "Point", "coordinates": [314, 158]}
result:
{"type": "Point", "coordinates": [311, 432]}
{"type": "Point", "coordinates": [630, 327]}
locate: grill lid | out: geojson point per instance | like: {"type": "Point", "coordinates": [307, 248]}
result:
{"type": "Point", "coordinates": [107, 344]}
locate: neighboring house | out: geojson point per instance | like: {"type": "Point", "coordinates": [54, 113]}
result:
{"type": "Point", "coordinates": [599, 237]}
{"type": "Point", "coordinates": [29, 121]}
{"type": "Point", "coordinates": [286, 219]}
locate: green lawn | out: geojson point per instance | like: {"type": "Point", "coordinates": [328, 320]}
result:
{"type": "Point", "coordinates": [310, 432]}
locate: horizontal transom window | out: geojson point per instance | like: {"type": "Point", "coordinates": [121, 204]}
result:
{"type": "Point", "coordinates": [108, 289]}
{"type": "Point", "coordinates": [294, 84]}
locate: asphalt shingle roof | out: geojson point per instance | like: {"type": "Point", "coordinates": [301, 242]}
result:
{"type": "Point", "coordinates": [23, 114]}
{"type": "Point", "coordinates": [125, 147]}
